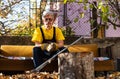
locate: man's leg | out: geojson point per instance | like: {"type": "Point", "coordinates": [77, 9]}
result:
{"type": "Point", "coordinates": [38, 56]}
{"type": "Point", "coordinates": [65, 51]}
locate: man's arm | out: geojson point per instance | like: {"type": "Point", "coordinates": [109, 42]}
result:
{"type": "Point", "coordinates": [60, 43]}
{"type": "Point", "coordinates": [37, 44]}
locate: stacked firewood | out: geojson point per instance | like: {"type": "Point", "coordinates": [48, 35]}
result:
{"type": "Point", "coordinates": [40, 75]}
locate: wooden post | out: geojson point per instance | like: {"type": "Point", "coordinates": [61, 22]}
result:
{"type": "Point", "coordinates": [76, 65]}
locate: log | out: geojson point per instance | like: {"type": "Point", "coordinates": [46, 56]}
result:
{"type": "Point", "coordinates": [76, 65]}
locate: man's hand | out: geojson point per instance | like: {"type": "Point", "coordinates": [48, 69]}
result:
{"type": "Point", "coordinates": [44, 46]}
{"type": "Point", "coordinates": [50, 47]}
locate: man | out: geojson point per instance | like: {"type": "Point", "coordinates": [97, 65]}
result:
{"type": "Point", "coordinates": [48, 39]}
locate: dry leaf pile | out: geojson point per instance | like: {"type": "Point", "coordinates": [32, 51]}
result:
{"type": "Point", "coordinates": [40, 75]}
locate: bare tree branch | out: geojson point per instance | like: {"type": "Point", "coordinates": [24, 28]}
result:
{"type": "Point", "coordinates": [7, 8]}
{"type": "Point", "coordinates": [118, 25]}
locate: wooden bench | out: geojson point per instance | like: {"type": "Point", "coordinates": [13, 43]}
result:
{"type": "Point", "coordinates": [26, 51]}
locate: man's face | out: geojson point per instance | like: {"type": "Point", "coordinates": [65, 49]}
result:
{"type": "Point", "coordinates": [48, 21]}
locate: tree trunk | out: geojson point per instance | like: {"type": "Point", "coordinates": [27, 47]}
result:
{"type": "Point", "coordinates": [76, 66]}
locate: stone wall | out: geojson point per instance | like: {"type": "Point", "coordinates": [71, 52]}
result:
{"type": "Point", "coordinates": [15, 40]}
{"type": "Point", "coordinates": [25, 40]}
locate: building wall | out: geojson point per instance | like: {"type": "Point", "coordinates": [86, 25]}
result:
{"type": "Point", "coordinates": [82, 26]}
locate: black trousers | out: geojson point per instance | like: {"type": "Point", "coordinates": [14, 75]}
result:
{"type": "Point", "coordinates": [39, 56]}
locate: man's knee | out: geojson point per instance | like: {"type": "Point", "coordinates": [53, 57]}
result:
{"type": "Point", "coordinates": [66, 49]}
{"type": "Point", "coordinates": [36, 49]}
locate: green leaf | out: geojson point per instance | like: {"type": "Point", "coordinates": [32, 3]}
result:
{"type": "Point", "coordinates": [106, 27]}
{"type": "Point", "coordinates": [82, 15]}
{"type": "Point", "coordinates": [104, 9]}
{"type": "Point", "coordinates": [100, 5]}
{"type": "Point", "coordinates": [104, 17]}
{"type": "Point", "coordinates": [85, 7]}
{"type": "Point", "coordinates": [65, 1]}
{"type": "Point", "coordinates": [114, 27]}
{"type": "Point", "coordinates": [76, 20]}
{"type": "Point", "coordinates": [72, 0]}
{"type": "Point", "coordinates": [19, 14]}
{"type": "Point", "coordinates": [85, 1]}
{"type": "Point", "coordinates": [80, 1]}
{"type": "Point", "coordinates": [107, 9]}
{"type": "Point", "coordinates": [92, 21]}
{"type": "Point", "coordinates": [91, 6]}
{"type": "Point", "coordinates": [113, 15]}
